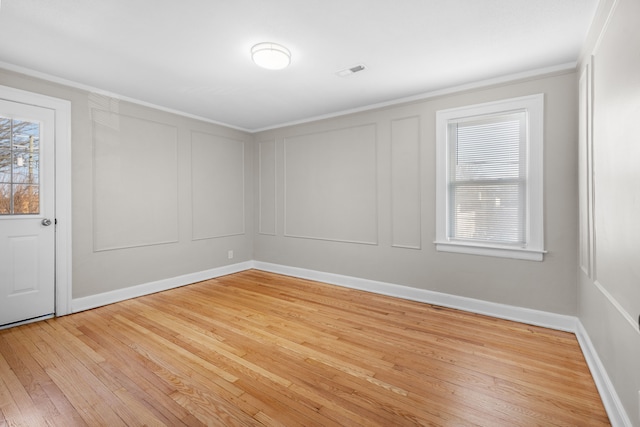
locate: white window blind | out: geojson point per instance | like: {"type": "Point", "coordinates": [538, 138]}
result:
{"type": "Point", "coordinates": [487, 182]}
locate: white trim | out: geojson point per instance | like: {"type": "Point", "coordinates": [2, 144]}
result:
{"type": "Point", "coordinates": [54, 79]}
{"type": "Point", "coordinates": [605, 27]}
{"type": "Point", "coordinates": [63, 210]}
{"type": "Point", "coordinates": [541, 72]}
{"type": "Point", "coordinates": [525, 315]}
{"type": "Point", "coordinates": [507, 252]}
{"type": "Point", "coordinates": [586, 250]}
{"type": "Point", "coordinates": [534, 249]}
{"type": "Point", "coordinates": [62, 109]}
{"type": "Point", "coordinates": [612, 403]}
{"type": "Point", "coordinates": [623, 312]}
{"type": "Point", "coordinates": [26, 322]}
{"type": "Point", "coordinates": [93, 301]}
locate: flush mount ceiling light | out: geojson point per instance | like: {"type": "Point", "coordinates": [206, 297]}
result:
{"type": "Point", "coordinates": [271, 56]}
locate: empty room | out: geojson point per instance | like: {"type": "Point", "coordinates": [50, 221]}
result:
{"type": "Point", "coordinates": [319, 213]}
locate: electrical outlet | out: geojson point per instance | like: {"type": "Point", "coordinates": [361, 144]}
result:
{"type": "Point", "coordinates": [230, 254]}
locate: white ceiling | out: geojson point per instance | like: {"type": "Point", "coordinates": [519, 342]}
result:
{"type": "Point", "coordinates": [193, 56]}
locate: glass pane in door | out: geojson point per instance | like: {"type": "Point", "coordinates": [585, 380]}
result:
{"type": "Point", "coordinates": [19, 167]}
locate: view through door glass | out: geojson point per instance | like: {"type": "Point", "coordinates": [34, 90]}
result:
{"type": "Point", "coordinates": [19, 167]}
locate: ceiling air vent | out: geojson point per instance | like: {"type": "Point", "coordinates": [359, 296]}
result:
{"type": "Point", "coordinates": [351, 70]}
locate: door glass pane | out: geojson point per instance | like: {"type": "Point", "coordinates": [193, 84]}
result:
{"type": "Point", "coordinates": [19, 167]}
{"type": "Point", "coordinates": [26, 135]}
{"type": "Point", "coordinates": [5, 163]}
{"type": "Point", "coordinates": [5, 132]}
{"type": "Point", "coordinates": [26, 199]}
{"type": "Point", "coordinates": [5, 199]}
{"type": "Point", "coordinates": [25, 168]}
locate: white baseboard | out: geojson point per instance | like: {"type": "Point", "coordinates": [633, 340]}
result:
{"type": "Point", "coordinates": [611, 401]}
{"type": "Point", "coordinates": [519, 314]}
{"type": "Point", "coordinates": [502, 311]}
{"type": "Point", "coordinates": [93, 301]}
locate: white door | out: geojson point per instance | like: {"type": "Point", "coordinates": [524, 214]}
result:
{"type": "Point", "coordinates": [27, 217]}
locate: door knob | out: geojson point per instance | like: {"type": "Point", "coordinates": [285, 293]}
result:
{"type": "Point", "coordinates": [46, 222]}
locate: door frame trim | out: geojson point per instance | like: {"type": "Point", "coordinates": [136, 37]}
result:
{"type": "Point", "coordinates": [63, 259]}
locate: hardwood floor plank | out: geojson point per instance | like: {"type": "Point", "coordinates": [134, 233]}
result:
{"type": "Point", "coordinates": [35, 379]}
{"type": "Point", "coordinates": [260, 349]}
{"type": "Point", "coordinates": [17, 405]}
{"type": "Point", "coordinates": [133, 372]}
{"type": "Point", "coordinates": [89, 367]}
{"type": "Point", "coordinates": [22, 367]}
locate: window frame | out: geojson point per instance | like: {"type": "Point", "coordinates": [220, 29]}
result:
{"type": "Point", "coordinates": [533, 248]}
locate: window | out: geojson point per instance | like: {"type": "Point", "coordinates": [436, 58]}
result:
{"type": "Point", "coordinates": [489, 179]}
{"type": "Point", "coordinates": [19, 167]}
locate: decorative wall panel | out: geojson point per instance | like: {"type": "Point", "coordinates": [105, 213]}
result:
{"type": "Point", "coordinates": [405, 183]}
{"type": "Point", "coordinates": [217, 182]}
{"type": "Point", "coordinates": [616, 151]}
{"type": "Point", "coordinates": [135, 195]}
{"type": "Point", "coordinates": [585, 174]}
{"type": "Point", "coordinates": [331, 185]}
{"type": "Point", "coordinates": [267, 187]}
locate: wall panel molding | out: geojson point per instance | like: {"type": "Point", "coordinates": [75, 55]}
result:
{"type": "Point", "coordinates": [217, 186]}
{"type": "Point", "coordinates": [331, 185]}
{"type": "Point", "coordinates": [614, 302]}
{"type": "Point", "coordinates": [585, 170]}
{"type": "Point", "coordinates": [405, 183]}
{"type": "Point", "coordinates": [616, 82]}
{"type": "Point", "coordinates": [135, 185]}
{"type": "Point", "coordinates": [267, 189]}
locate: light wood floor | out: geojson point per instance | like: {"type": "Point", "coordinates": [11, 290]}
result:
{"type": "Point", "coordinates": [255, 348]}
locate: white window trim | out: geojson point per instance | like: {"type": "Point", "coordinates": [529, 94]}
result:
{"type": "Point", "coordinates": [534, 249]}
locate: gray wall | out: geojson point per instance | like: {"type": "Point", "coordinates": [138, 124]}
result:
{"type": "Point", "coordinates": [155, 195]}
{"type": "Point", "coordinates": [609, 272]}
{"type": "Point", "coordinates": [355, 195]}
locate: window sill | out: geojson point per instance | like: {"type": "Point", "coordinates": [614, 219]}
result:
{"type": "Point", "coordinates": [495, 251]}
